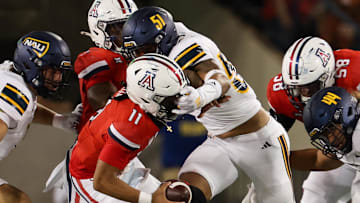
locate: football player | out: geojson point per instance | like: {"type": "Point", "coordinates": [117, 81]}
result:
{"type": "Point", "coordinates": [102, 166]}
{"type": "Point", "coordinates": [237, 128]}
{"type": "Point", "coordinates": [331, 119]}
{"type": "Point", "coordinates": [40, 67]}
{"type": "Point", "coordinates": [101, 69]}
{"type": "Point", "coordinates": [309, 65]}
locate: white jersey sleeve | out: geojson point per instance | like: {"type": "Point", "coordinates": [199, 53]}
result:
{"type": "Point", "coordinates": [15, 97]}
{"type": "Point", "coordinates": [193, 48]}
{"type": "Point", "coordinates": [17, 106]}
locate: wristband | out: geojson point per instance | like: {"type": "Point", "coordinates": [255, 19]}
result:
{"type": "Point", "coordinates": [213, 72]}
{"type": "Point", "coordinates": [145, 197]}
{"type": "Point", "coordinates": [209, 91]}
{"type": "Point", "coordinates": [57, 120]}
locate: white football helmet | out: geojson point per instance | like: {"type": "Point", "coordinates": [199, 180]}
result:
{"type": "Point", "coordinates": [154, 82]}
{"type": "Point", "coordinates": [105, 12]}
{"type": "Point", "coordinates": [308, 66]}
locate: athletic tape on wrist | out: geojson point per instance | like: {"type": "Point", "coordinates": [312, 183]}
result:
{"type": "Point", "coordinates": [209, 91]}
{"type": "Point", "coordinates": [145, 197]}
{"type": "Point", "coordinates": [213, 72]}
{"type": "Point", "coordinates": [57, 120]}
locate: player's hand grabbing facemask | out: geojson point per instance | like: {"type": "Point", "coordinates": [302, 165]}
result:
{"type": "Point", "coordinates": [193, 99]}
{"type": "Point", "coordinates": [69, 121]}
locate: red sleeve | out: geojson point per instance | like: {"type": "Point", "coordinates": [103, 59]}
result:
{"type": "Point", "coordinates": [126, 139]}
{"type": "Point", "coordinates": [116, 155]}
{"type": "Point", "coordinates": [100, 65]}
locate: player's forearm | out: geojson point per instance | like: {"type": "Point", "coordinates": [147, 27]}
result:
{"type": "Point", "coordinates": [106, 181]}
{"type": "Point", "coordinates": [117, 188]}
{"type": "Point", "coordinates": [312, 160]}
{"type": "Point", "coordinates": [43, 115]}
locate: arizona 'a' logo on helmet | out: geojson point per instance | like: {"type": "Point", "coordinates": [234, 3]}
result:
{"type": "Point", "coordinates": [148, 80]}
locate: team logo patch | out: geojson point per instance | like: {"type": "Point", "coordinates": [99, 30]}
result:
{"type": "Point", "coordinates": [147, 81]}
{"type": "Point", "coordinates": [38, 46]}
{"type": "Point", "coordinates": [94, 11]}
{"type": "Point", "coordinates": [325, 57]}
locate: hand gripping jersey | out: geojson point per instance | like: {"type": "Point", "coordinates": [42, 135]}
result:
{"type": "Point", "coordinates": [94, 66]}
{"type": "Point", "coordinates": [193, 48]}
{"type": "Point", "coordinates": [115, 135]}
{"type": "Point", "coordinates": [17, 108]}
{"type": "Point", "coordinates": [347, 76]}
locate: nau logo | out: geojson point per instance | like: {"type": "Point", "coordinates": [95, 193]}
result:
{"type": "Point", "coordinates": [147, 81]}
{"type": "Point", "coordinates": [330, 98]}
{"type": "Point", "coordinates": [38, 46]}
{"type": "Point", "coordinates": [94, 11]}
{"type": "Point", "coordinates": [325, 57]}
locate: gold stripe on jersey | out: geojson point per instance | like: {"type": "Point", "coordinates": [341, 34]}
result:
{"type": "Point", "coordinates": [15, 98]}
{"type": "Point", "coordinates": [189, 56]}
{"type": "Point", "coordinates": [285, 152]}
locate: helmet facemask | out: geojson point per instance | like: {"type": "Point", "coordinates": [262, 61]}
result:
{"type": "Point", "coordinates": [301, 94]}
{"type": "Point", "coordinates": [112, 32]}
{"type": "Point", "coordinates": [166, 106]}
{"type": "Point", "coordinates": [332, 139]}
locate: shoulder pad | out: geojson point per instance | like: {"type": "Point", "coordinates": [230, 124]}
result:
{"type": "Point", "coordinates": [188, 53]}
{"type": "Point", "coordinates": [15, 98]}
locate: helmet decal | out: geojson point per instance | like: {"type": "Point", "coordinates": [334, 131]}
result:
{"type": "Point", "coordinates": [40, 47]}
{"type": "Point", "coordinates": [296, 63]}
{"type": "Point", "coordinates": [325, 57]}
{"type": "Point", "coordinates": [148, 80]}
{"type": "Point", "coordinates": [158, 21]}
{"type": "Point", "coordinates": [330, 98]}
{"type": "Point", "coordinates": [94, 10]}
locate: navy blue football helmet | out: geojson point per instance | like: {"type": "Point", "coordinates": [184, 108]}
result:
{"type": "Point", "coordinates": [149, 26]}
{"type": "Point", "coordinates": [43, 59]}
{"type": "Point", "coordinates": [330, 118]}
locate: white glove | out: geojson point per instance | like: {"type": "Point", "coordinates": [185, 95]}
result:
{"type": "Point", "coordinates": [69, 121]}
{"type": "Point", "coordinates": [193, 99]}
{"type": "Point", "coordinates": [189, 101]}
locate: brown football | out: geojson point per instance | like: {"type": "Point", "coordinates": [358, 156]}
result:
{"type": "Point", "coordinates": [178, 191]}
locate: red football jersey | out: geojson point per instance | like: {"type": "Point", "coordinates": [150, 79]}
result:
{"type": "Point", "coordinates": [97, 65]}
{"type": "Point", "coordinates": [347, 63]}
{"type": "Point", "coordinates": [115, 135]}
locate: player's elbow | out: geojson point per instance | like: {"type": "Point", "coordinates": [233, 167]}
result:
{"type": "Point", "coordinates": [99, 184]}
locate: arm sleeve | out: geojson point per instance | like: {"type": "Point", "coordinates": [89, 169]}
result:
{"type": "Point", "coordinates": [119, 149]}
{"type": "Point", "coordinates": [285, 121]}
{"type": "Point", "coordinates": [116, 155]}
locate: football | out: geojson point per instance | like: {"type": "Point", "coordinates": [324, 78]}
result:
{"type": "Point", "coordinates": [178, 191]}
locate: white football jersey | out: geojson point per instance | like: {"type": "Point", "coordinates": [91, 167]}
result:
{"type": "Point", "coordinates": [17, 108]}
{"type": "Point", "coordinates": [353, 157]}
{"type": "Point", "coordinates": [193, 48]}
